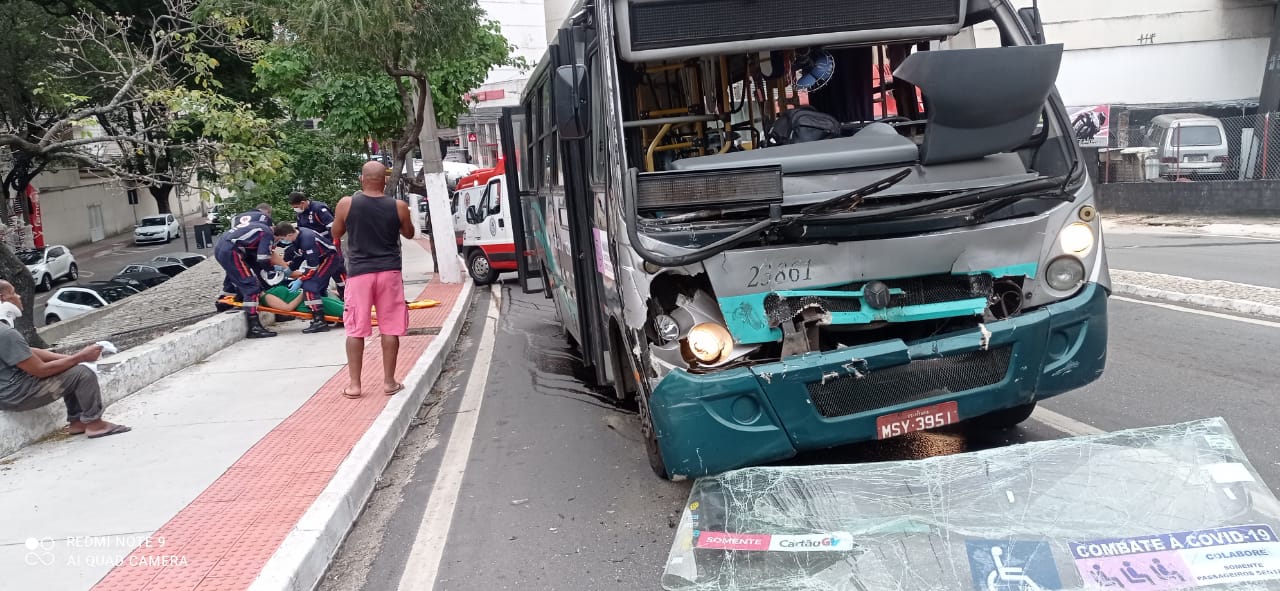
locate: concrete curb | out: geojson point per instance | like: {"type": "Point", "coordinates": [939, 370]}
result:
{"type": "Point", "coordinates": [1207, 301]}
{"type": "Point", "coordinates": [302, 559]}
{"type": "Point", "coordinates": [125, 374]}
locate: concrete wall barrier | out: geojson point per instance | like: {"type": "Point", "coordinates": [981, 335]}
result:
{"type": "Point", "coordinates": [1225, 198]}
{"type": "Point", "coordinates": [126, 373]}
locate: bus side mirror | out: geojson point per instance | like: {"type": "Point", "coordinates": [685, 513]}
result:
{"type": "Point", "coordinates": [571, 101]}
{"type": "Point", "coordinates": [1031, 19]}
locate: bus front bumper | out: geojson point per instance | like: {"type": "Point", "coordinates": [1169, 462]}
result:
{"type": "Point", "coordinates": [710, 423]}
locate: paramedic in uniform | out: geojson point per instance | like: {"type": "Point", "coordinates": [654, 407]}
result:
{"type": "Point", "coordinates": [312, 214]}
{"type": "Point", "coordinates": [261, 215]}
{"type": "Point", "coordinates": [244, 252]}
{"type": "Point", "coordinates": [316, 216]}
{"type": "Point", "coordinates": [319, 263]}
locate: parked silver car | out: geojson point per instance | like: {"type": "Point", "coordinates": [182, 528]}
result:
{"type": "Point", "coordinates": [1189, 144]}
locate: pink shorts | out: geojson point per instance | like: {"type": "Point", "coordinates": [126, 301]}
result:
{"type": "Point", "coordinates": [384, 291]}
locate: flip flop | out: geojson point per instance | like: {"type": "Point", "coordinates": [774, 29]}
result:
{"type": "Point", "coordinates": [114, 430]}
{"type": "Point", "coordinates": [347, 394]}
{"type": "Point", "coordinates": [394, 391]}
{"type": "Point", "coordinates": [73, 433]}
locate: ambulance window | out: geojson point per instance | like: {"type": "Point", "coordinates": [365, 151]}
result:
{"type": "Point", "coordinates": [493, 197]}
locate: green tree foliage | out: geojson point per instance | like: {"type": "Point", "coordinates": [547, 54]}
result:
{"type": "Point", "coordinates": [316, 162]}
{"type": "Point", "coordinates": [422, 50]}
{"type": "Point", "coordinates": [147, 81]}
{"type": "Point", "coordinates": [354, 106]}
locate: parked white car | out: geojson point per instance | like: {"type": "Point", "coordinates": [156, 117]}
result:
{"type": "Point", "coordinates": [70, 302]}
{"type": "Point", "coordinates": [157, 228]}
{"type": "Point", "coordinates": [49, 264]}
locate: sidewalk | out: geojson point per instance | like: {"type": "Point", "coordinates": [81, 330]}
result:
{"type": "Point", "coordinates": [1247, 226]}
{"type": "Point", "coordinates": [249, 466]}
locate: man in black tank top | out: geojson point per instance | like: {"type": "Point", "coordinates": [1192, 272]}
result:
{"type": "Point", "coordinates": [370, 225]}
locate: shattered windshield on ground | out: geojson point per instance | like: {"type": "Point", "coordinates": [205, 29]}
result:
{"type": "Point", "coordinates": [1155, 508]}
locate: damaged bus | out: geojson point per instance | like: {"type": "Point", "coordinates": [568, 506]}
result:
{"type": "Point", "coordinates": [785, 226]}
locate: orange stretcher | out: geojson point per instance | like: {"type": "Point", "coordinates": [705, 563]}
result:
{"type": "Point", "coordinates": [416, 305]}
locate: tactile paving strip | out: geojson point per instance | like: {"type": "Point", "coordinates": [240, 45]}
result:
{"type": "Point", "coordinates": [225, 536]}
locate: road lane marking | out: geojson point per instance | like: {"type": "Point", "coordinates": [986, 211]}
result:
{"type": "Point", "coordinates": [1063, 423]}
{"type": "Point", "coordinates": [1244, 319]}
{"type": "Point", "coordinates": [423, 566]}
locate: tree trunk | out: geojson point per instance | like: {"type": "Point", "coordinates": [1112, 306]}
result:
{"type": "Point", "coordinates": [5, 193]}
{"type": "Point", "coordinates": [161, 194]}
{"type": "Point", "coordinates": [17, 274]}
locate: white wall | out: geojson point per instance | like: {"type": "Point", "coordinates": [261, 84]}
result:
{"type": "Point", "coordinates": [1207, 71]}
{"type": "Point", "coordinates": [555, 13]}
{"type": "Point", "coordinates": [1155, 51]}
{"type": "Point", "coordinates": [65, 197]}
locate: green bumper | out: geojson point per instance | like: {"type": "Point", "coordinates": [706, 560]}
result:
{"type": "Point", "coordinates": [707, 424]}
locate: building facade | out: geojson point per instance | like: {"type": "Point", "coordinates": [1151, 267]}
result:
{"type": "Point", "coordinates": [1178, 54]}
{"type": "Point", "coordinates": [78, 207]}
{"type": "Point", "coordinates": [475, 139]}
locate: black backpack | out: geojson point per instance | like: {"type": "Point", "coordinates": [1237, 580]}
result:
{"type": "Point", "coordinates": [804, 124]}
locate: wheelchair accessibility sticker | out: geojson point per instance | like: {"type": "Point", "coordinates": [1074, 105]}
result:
{"type": "Point", "coordinates": [1004, 565]}
{"type": "Point", "coordinates": [1228, 555]}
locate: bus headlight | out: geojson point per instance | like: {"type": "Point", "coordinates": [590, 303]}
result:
{"type": "Point", "coordinates": [668, 328]}
{"type": "Point", "coordinates": [1076, 239]}
{"type": "Point", "coordinates": [709, 342]}
{"type": "Point", "coordinates": [1065, 273]}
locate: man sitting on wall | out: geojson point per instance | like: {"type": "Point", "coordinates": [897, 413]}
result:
{"type": "Point", "coordinates": [31, 378]}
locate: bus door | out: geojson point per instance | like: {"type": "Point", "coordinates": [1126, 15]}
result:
{"type": "Point", "coordinates": [580, 201]}
{"type": "Point", "coordinates": [529, 265]}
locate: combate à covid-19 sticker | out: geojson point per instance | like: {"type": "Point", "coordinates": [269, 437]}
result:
{"type": "Point", "coordinates": [1223, 555]}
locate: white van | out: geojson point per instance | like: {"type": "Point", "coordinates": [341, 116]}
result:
{"type": "Point", "coordinates": [1189, 145]}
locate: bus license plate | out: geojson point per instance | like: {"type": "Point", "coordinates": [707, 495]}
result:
{"type": "Point", "coordinates": [917, 419]}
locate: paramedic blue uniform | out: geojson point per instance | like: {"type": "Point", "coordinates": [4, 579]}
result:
{"type": "Point", "coordinates": [316, 217]}
{"type": "Point", "coordinates": [243, 252]}
{"type": "Point", "coordinates": [320, 262]}
{"type": "Point", "coordinates": [319, 218]}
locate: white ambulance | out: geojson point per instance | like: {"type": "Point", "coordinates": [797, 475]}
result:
{"type": "Point", "coordinates": [483, 225]}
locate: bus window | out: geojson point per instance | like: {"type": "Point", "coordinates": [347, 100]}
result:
{"type": "Point", "coordinates": [599, 132]}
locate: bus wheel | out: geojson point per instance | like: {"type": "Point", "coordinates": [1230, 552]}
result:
{"type": "Point", "coordinates": [478, 266]}
{"type": "Point", "coordinates": [650, 435]}
{"type": "Point", "coordinates": [1003, 419]}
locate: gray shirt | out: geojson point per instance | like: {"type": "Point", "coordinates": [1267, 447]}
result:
{"type": "Point", "coordinates": [16, 386]}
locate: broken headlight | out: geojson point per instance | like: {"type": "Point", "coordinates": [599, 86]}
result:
{"type": "Point", "coordinates": [709, 343]}
{"type": "Point", "coordinates": [692, 334]}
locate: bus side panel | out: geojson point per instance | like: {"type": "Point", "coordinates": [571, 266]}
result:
{"type": "Point", "coordinates": [556, 241]}
{"type": "Point", "coordinates": [604, 160]}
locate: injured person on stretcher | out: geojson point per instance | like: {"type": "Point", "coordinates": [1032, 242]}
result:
{"type": "Point", "coordinates": [281, 298]}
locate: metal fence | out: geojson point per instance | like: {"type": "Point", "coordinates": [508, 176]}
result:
{"type": "Point", "coordinates": [1204, 149]}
